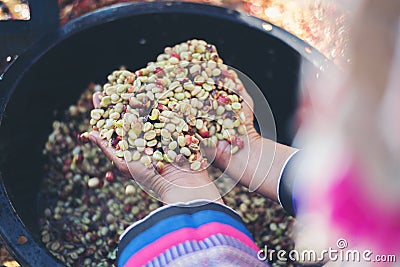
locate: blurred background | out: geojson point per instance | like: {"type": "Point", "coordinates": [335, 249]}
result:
{"type": "Point", "coordinates": [321, 23]}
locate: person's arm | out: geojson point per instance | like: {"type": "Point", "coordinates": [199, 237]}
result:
{"type": "Point", "coordinates": [261, 165]}
{"type": "Point", "coordinates": [258, 165]}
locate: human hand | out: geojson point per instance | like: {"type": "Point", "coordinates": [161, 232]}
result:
{"type": "Point", "coordinates": [174, 184]}
{"type": "Point", "coordinates": [258, 164]}
{"type": "Point", "coordinates": [221, 155]}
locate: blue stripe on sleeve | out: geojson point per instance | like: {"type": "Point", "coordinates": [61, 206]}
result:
{"type": "Point", "coordinates": [174, 223]}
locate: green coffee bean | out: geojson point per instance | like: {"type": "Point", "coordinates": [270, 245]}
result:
{"type": "Point", "coordinates": [204, 96]}
{"type": "Point", "coordinates": [199, 124]}
{"type": "Point", "coordinates": [173, 60]}
{"type": "Point", "coordinates": [111, 90]}
{"type": "Point", "coordinates": [159, 125]}
{"type": "Point", "coordinates": [140, 148]}
{"type": "Point", "coordinates": [168, 114]}
{"type": "Point", "coordinates": [140, 142]}
{"type": "Point", "coordinates": [225, 134]}
{"type": "Point", "coordinates": [158, 156]}
{"type": "Point", "coordinates": [236, 123]}
{"type": "Point", "coordinates": [108, 134]}
{"type": "Point", "coordinates": [127, 156]}
{"type": "Point", "coordinates": [119, 153]}
{"type": "Point", "coordinates": [136, 155]}
{"type": "Point", "coordinates": [195, 165]}
{"type": "Point", "coordinates": [193, 111]}
{"type": "Point", "coordinates": [228, 123]}
{"type": "Point", "coordinates": [115, 116]}
{"type": "Point", "coordinates": [195, 68]}
{"type": "Point", "coordinates": [128, 118]}
{"type": "Point", "coordinates": [188, 86]}
{"type": "Point", "coordinates": [234, 150]}
{"type": "Point", "coordinates": [196, 90]}
{"type": "Point", "coordinates": [122, 88]}
{"type": "Point", "coordinates": [175, 120]}
{"type": "Point", "coordinates": [216, 72]}
{"type": "Point", "coordinates": [170, 127]}
{"type": "Point", "coordinates": [165, 133]}
{"type": "Point", "coordinates": [92, 122]}
{"type": "Point", "coordinates": [154, 114]}
{"type": "Point", "coordinates": [120, 131]}
{"type": "Point", "coordinates": [220, 110]}
{"type": "Point", "coordinates": [148, 151]}
{"type": "Point", "coordinates": [132, 134]}
{"type": "Point", "coordinates": [242, 116]}
{"type": "Point", "coordinates": [114, 98]}
{"type": "Point", "coordinates": [147, 126]}
{"type": "Point", "coordinates": [181, 141]}
{"type": "Point", "coordinates": [96, 114]}
{"type": "Point", "coordinates": [152, 143]}
{"type": "Point", "coordinates": [185, 151]}
{"type": "Point", "coordinates": [146, 160]}
{"type": "Point", "coordinates": [180, 96]}
{"type": "Point", "coordinates": [150, 135]}
{"type": "Point", "coordinates": [123, 145]}
{"type": "Point", "coordinates": [168, 159]}
{"type": "Point", "coordinates": [109, 124]}
{"type": "Point", "coordinates": [131, 141]}
{"type": "Point", "coordinates": [130, 190]}
{"type": "Point", "coordinates": [105, 101]}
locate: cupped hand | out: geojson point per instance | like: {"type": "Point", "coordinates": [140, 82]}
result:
{"type": "Point", "coordinates": [174, 184]}
{"type": "Point", "coordinates": [258, 164]}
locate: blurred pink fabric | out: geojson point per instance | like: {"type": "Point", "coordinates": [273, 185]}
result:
{"type": "Point", "coordinates": [361, 216]}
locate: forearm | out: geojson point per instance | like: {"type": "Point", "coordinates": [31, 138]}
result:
{"type": "Point", "coordinates": [259, 165]}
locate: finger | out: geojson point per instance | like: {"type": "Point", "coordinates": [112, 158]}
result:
{"type": "Point", "coordinates": [108, 150]}
{"type": "Point", "coordinates": [247, 103]}
{"type": "Point", "coordinates": [92, 137]}
{"type": "Point", "coordinates": [245, 95]}
{"type": "Point", "coordinates": [221, 154]}
{"type": "Point", "coordinates": [96, 99]}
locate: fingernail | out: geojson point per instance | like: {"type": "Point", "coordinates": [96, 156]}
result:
{"type": "Point", "coordinates": [92, 137]}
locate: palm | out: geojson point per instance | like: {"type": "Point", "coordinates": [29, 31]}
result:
{"type": "Point", "coordinates": [149, 177]}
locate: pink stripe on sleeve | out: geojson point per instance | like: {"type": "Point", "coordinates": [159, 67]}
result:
{"type": "Point", "coordinates": [154, 249]}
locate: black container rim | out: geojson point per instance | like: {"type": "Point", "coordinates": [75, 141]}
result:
{"type": "Point", "coordinates": [30, 253]}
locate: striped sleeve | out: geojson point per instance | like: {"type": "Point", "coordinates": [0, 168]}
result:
{"type": "Point", "coordinates": [199, 233]}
